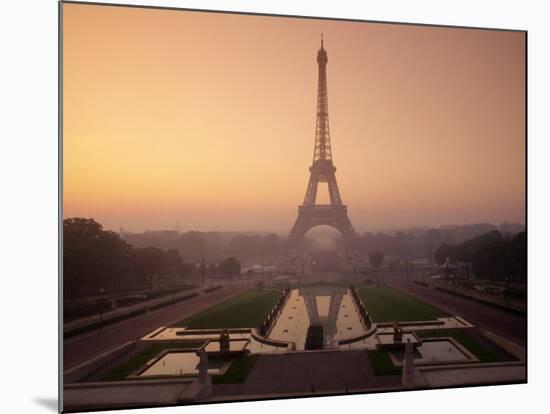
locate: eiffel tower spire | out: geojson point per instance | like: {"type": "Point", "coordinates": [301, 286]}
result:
{"type": "Point", "coordinates": [322, 150]}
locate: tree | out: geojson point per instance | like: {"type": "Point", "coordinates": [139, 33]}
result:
{"type": "Point", "coordinates": [492, 261]}
{"type": "Point", "coordinates": [229, 267]}
{"type": "Point", "coordinates": [193, 245]}
{"type": "Point", "coordinates": [150, 261]}
{"type": "Point", "coordinates": [492, 255]}
{"type": "Point", "coordinates": [376, 259]}
{"type": "Point", "coordinates": [93, 258]}
{"type": "Point", "coordinates": [175, 266]}
{"type": "Point", "coordinates": [519, 256]}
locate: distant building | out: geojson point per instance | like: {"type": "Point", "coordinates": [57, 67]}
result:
{"type": "Point", "coordinates": [419, 262]}
{"type": "Point", "coordinates": [259, 269]}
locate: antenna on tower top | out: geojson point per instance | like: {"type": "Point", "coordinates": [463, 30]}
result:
{"type": "Point", "coordinates": [321, 40]}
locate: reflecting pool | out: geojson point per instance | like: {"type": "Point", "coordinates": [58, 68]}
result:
{"type": "Point", "coordinates": [332, 307]}
{"type": "Point", "coordinates": [182, 363]}
{"type": "Point", "coordinates": [436, 351]}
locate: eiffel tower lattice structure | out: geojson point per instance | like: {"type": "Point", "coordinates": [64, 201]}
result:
{"type": "Point", "coordinates": [322, 170]}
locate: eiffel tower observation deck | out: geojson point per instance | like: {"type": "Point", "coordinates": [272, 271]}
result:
{"type": "Point", "coordinates": [322, 170]}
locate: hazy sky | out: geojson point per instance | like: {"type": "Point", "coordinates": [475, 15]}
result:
{"type": "Point", "coordinates": [208, 120]}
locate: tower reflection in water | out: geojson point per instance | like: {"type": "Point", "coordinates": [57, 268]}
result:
{"type": "Point", "coordinates": [329, 307]}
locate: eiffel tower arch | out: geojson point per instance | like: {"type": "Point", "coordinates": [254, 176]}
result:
{"type": "Point", "coordinates": [322, 170]}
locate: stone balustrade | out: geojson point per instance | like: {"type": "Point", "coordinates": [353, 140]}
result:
{"type": "Point", "coordinates": [267, 324]}
{"type": "Point", "coordinates": [363, 313]}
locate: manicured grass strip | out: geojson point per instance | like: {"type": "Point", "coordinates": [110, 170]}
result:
{"type": "Point", "coordinates": [237, 371]}
{"type": "Point", "coordinates": [247, 310]}
{"type": "Point", "coordinates": [386, 304]}
{"type": "Point", "coordinates": [381, 363]}
{"type": "Point", "coordinates": [122, 371]}
{"type": "Point", "coordinates": [480, 351]}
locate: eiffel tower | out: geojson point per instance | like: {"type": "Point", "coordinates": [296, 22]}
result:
{"type": "Point", "coordinates": [322, 170]}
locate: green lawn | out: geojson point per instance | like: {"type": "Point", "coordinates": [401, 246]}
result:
{"type": "Point", "coordinates": [247, 310]}
{"type": "Point", "coordinates": [238, 370]}
{"type": "Point", "coordinates": [386, 304]}
{"type": "Point", "coordinates": [381, 363]}
{"type": "Point", "coordinates": [470, 343]}
{"type": "Point", "coordinates": [122, 371]}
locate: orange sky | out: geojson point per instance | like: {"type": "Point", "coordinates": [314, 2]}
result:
{"type": "Point", "coordinates": [207, 120]}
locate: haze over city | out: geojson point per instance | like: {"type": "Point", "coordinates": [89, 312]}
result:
{"type": "Point", "coordinates": [208, 120]}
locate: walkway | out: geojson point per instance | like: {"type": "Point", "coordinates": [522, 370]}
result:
{"type": "Point", "coordinates": [304, 372]}
{"type": "Point", "coordinates": [460, 375]}
{"type": "Point", "coordinates": [97, 396]}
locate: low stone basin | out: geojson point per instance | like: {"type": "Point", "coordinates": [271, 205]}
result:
{"type": "Point", "coordinates": [388, 341]}
{"type": "Point", "coordinates": [181, 364]}
{"type": "Point", "coordinates": [214, 350]}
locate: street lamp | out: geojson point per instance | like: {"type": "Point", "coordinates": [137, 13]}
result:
{"type": "Point", "coordinates": [203, 272]}
{"type": "Point", "coordinates": [173, 291]}
{"type": "Point", "coordinates": [506, 294]}
{"type": "Point", "coordinates": [101, 291]}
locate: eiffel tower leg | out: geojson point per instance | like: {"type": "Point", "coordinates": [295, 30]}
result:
{"type": "Point", "coordinates": [348, 233]}
{"type": "Point", "coordinates": [311, 192]}
{"type": "Point", "coordinates": [296, 235]}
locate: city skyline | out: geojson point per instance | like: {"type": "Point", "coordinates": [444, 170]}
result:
{"type": "Point", "coordinates": [215, 130]}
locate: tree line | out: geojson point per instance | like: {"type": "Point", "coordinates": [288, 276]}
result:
{"type": "Point", "coordinates": [194, 245]}
{"type": "Point", "coordinates": [492, 256]}
{"type": "Point", "coordinates": [422, 243]}
{"type": "Point", "coordinates": [95, 259]}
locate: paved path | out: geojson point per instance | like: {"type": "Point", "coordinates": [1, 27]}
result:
{"type": "Point", "coordinates": [330, 371]}
{"type": "Point", "coordinates": [475, 375]}
{"type": "Point", "coordinates": [93, 319]}
{"type": "Point", "coordinates": [148, 393]}
{"type": "Point", "coordinates": [84, 347]}
{"type": "Point", "coordinates": [508, 325]}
